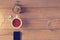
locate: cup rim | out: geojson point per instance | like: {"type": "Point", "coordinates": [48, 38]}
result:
{"type": "Point", "coordinates": [17, 7]}
{"type": "Point", "coordinates": [19, 25]}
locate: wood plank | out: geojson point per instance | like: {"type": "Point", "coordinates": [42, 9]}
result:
{"type": "Point", "coordinates": [55, 24]}
{"type": "Point", "coordinates": [41, 13]}
{"type": "Point", "coordinates": [40, 35]}
{"type": "Point", "coordinates": [6, 34]}
{"type": "Point", "coordinates": [34, 18]}
{"type": "Point", "coordinates": [30, 3]}
{"type": "Point", "coordinates": [40, 16]}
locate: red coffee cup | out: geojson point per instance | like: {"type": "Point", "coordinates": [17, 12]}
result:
{"type": "Point", "coordinates": [17, 23]}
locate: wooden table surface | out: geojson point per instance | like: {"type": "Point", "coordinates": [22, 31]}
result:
{"type": "Point", "coordinates": [41, 19]}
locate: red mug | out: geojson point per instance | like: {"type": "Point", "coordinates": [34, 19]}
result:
{"type": "Point", "coordinates": [16, 23]}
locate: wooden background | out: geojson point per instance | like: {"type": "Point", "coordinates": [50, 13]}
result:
{"type": "Point", "coordinates": [41, 19]}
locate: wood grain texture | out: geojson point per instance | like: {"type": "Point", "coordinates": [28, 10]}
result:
{"type": "Point", "coordinates": [40, 19]}
{"type": "Point", "coordinates": [31, 3]}
{"type": "Point", "coordinates": [40, 35]}
{"type": "Point", "coordinates": [34, 22]}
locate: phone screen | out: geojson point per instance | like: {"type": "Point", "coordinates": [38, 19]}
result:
{"type": "Point", "coordinates": [17, 35]}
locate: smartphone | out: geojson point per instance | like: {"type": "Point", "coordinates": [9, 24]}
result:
{"type": "Point", "coordinates": [16, 35]}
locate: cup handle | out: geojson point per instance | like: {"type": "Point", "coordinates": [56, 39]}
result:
{"type": "Point", "coordinates": [16, 16]}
